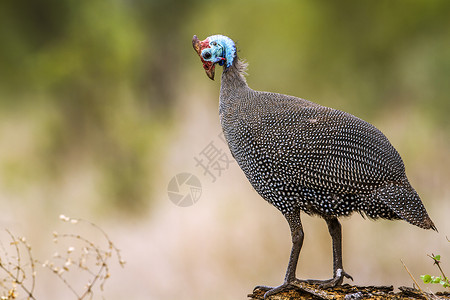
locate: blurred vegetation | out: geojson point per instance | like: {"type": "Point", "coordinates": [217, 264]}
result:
{"type": "Point", "coordinates": [96, 83]}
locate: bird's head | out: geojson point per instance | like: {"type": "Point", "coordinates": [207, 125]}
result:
{"type": "Point", "coordinates": [215, 49]}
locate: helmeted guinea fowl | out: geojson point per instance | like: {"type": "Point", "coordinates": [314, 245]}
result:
{"type": "Point", "coordinates": [304, 157]}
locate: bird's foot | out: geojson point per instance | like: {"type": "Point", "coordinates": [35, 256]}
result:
{"type": "Point", "coordinates": [335, 281]}
{"type": "Point", "coordinates": [269, 291]}
{"type": "Point", "coordinates": [299, 284]}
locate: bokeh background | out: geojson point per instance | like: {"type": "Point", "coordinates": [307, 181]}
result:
{"type": "Point", "coordinates": [103, 102]}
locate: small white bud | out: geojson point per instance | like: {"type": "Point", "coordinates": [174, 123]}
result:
{"type": "Point", "coordinates": [64, 218]}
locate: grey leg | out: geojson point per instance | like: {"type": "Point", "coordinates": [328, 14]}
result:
{"type": "Point", "coordinates": [334, 227]}
{"type": "Point", "coordinates": [297, 235]}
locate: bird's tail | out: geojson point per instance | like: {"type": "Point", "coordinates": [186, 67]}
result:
{"type": "Point", "coordinates": [406, 203]}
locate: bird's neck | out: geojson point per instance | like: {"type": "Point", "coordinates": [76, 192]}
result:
{"type": "Point", "coordinates": [234, 76]}
{"type": "Point", "coordinates": [233, 82]}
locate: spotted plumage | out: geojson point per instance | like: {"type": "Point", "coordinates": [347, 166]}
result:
{"type": "Point", "coordinates": [301, 156]}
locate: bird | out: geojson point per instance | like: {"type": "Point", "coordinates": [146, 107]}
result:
{"type": "Point", "coordinates": [303, 157]}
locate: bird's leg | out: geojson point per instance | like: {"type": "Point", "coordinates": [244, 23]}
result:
{"type": "Point", "coordinates": [297, 235]}
{"type": "Point", "coordinates": [334, 227]}
{"type": "Point", "coordinates": [295, 225]}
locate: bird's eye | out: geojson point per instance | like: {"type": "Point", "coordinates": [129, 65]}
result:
{"type": "Point", "coordinates": [213, 43]}
{"type": "Point", "coordinates": [207, 55]}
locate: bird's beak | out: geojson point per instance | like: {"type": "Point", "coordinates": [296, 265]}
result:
{"type": "Point", "coordinates": [207, 65]}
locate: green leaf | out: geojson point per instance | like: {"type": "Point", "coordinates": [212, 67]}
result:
{"type": "Point", "coordinates": [445, 283]}
{"type": "Point", "coordinates": [437, 257]}
{"type": "Point", "coordinates": [436, 279]}
{"type": "Point", "coordinates": [426, 278]}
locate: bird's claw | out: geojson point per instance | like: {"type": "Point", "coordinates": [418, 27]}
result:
{"type": "Point", "coordinates": [269, 291]}
{"type": "Point", "coordinates": [297, 283]}
{"type": "Point", "coordinates": [335, 281]}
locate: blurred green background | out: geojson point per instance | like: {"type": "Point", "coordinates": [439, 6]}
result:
{"type": "Point", "coordinates": [103, 102]}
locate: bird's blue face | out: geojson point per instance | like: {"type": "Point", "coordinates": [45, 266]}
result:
{"type": "Point", "coordinates": [215, 49]}
{"type": "Point", "coordinates": [215, 53]}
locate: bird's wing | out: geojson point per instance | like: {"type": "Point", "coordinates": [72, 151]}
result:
{"type": "Point", "coordinates": [333, 150]}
